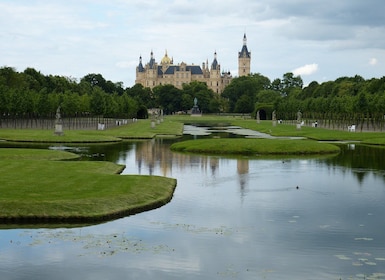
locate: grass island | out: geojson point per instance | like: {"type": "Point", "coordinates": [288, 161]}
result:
{"type": "Point", "coordinates": [255, 147]}
{"type": "Point", "coordinates": [43, 186]}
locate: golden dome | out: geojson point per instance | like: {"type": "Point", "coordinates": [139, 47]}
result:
{"type": "Point", "coordinates": [166, 59]}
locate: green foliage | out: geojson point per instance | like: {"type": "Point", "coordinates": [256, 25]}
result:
{"type": "Point", "coordinates": [168, 97]}
{"type": "Point", "coordinates": [204, 95]}
{"type": "Point", "coordinates": [30, 94]}
{"type": "Point", "coordinates": [242, 91]}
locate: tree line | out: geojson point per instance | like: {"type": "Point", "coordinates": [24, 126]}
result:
{"type": "Point", "coordinates": [30, 94]}
{"type": "Point", "coordinates": [347, 100]}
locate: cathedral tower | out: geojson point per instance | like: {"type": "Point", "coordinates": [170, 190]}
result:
{"type": "Point", "coordinates": [244, 58]}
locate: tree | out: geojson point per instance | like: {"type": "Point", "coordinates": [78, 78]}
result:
{"type": "Point", "coordinates": [244, 104]}
{"type": "Point", "coordinates": [200, 91]}
{"type": "Point", "coordinates": [70, 103]}
{"type": "Point", "coordinates": [245, 85]}
{"type": "Point", "coordinates": [290, 83]}
{"type": "Point", "coordinates": [168, 97]}
{"type": "Point", "coordinates": [267, 96]}
{"type": "Point", "coordinates": [98, 102]}
{"type": "Point", "coordinates": [143, 95]}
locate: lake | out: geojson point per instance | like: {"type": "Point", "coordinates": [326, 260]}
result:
{"type": "Point", "coordinates": [230, 218]}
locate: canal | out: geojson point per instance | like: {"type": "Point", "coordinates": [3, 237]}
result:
{"type": "Point", "coordinates": [230, 218]}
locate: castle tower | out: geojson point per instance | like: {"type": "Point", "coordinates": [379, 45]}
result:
{"type": "Point", "coordinates": [215, 75]}
{"type": "Point", "coordinates": [244, 58]}
{"type": "Point", "coordinates": [140, 72]}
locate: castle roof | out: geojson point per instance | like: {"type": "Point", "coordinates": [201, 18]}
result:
{"type": "Point", "coordinates": [152, 61]}
{"type": "Point", "coordinates": [140, 66]}
{"type": "Point", "coordinates": [194, 69]}
{"type": "Point", "coordinates": [214, 65]}
{"type": "Point", "coordinates": [244, 52]}
{"type": "Point", "coordinates": [166, 59]}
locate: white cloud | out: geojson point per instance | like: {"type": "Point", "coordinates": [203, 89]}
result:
{"type": "Point", "coordinates": [305, 70]}
{"type": "Point", "coordinates": [75, 38]}
{"type": "Point", "coordinates": [373, 61]}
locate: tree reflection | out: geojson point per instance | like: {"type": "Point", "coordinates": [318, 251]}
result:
{"type": "Point", "coordinates": [361, 159]}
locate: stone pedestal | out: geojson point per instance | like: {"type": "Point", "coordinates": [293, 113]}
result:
{"type": "Point", "coordinates": [59, 129]}
{"type": "Point", "coordinates": [195, 111]}
{"type": "Point", "coordinates": [58, 123]}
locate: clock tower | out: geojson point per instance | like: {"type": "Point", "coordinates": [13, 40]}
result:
{"type": "Point", "coordinates": [244, 58]}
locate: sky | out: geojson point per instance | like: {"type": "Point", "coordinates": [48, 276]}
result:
{"type": "Point", "coordinates": [318, 40]}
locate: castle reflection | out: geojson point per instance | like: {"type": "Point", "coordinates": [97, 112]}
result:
{"type": "Point", "coordinates": [156, 155]}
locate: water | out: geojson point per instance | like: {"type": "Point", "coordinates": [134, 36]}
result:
{"type": "Point", "coordinates": [230, 218]}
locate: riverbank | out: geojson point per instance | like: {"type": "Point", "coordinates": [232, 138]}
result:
{"type": "Point", "coordinates": [42, 186]}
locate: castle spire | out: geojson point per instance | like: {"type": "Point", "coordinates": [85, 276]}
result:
{"type": "Point", "coordinates": [152, 60]}
{"type": "Point", "coordinates": [214, 65]}
{"type": "Point", "coordinates": [140, 66]}
{"type": "Point", "coordinates": [244, 58]}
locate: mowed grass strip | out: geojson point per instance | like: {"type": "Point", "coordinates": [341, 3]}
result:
{"type": "Point", "coordinates": [250, 146]}
{"type": "Point", "coordinates": [35, 154]}
{"type": "Point", "coordinates": [48, 136]}
{"type": "Point", "coordinates": [141, 129]}
{"type": "Point", "coordinates": [74, 191]}
{"type": "Point", "coordinates": [315, 133]}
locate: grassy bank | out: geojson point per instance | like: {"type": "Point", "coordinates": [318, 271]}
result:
{"type": "Point", "coordinates": [172, 126]}
{"type": "Point", "coordinates": [254, 147]}
{"type": "Point", "coordinates": [142, 129]}
{"type": "Point", "coordinates": [315, 133]}
{"type": "Point", "coordinates": [35, 187]}
{"type": "Point", "coordinates": [138, 130]}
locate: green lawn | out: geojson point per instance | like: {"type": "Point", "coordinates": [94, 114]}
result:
{"type": "Point", "coordinates": [315, 133]}
{"type": "Point", "coordinates": [139, 130]}
{"type": "Point", "coordinates": [254, 147]}
{"type": "Point", "coordinates": [172, 126]}
{"type": "Point", "coordinates": [36, 187]}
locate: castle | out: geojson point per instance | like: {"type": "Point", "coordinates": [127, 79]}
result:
{"type": "Point", "coordinates": [166, 72]}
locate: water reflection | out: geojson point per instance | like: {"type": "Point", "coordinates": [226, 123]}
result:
{"type": "Point", "coordinates": [361, 160]}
